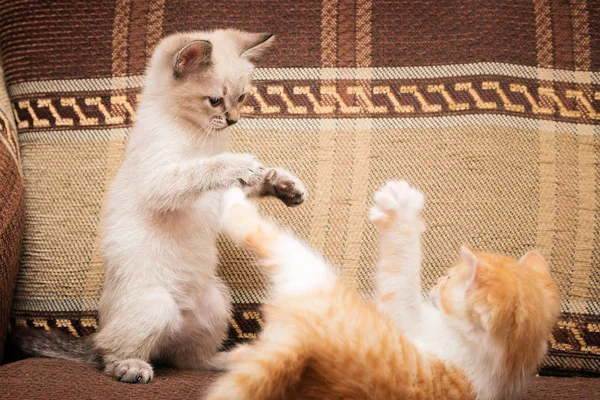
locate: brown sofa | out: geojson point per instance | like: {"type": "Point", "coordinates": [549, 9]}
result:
{"type": "Point", "coordinates": [491, 108]}
{"type": "Point", "coordinates": [57, 379]}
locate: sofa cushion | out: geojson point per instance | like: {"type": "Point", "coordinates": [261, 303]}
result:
{"type": "Point", "coordinates": [11, 210]}
{"type": "Point", "coordinates": [38, 378]}
{"type": "Point", "coordinates": [491, 108]}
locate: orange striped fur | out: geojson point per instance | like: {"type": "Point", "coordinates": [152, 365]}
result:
{"type": "Point", "coordinates": [484, 336]}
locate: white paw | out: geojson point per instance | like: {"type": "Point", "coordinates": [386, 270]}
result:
{"type": "Point", "coordinates": [236, 169]}
{"type": "Point", "coordinates": [132, 370]}
{"type": "Point", "coordinates": [235, 209]}
{"type": "Point", "coordinates": [249, 170]}
{"type": "Point", "coordinates": [232, 197]}
{"type": "Point", "coordinates": [396, 198]}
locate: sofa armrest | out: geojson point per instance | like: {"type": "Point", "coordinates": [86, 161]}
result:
{"type": "Point", "coordinates": [11, 210]}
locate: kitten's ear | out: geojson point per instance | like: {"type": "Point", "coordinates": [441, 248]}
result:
{"type": "Point", "coordinates": [536, 261]}
{"type": "Point", "coordinates": [193, 58]}
{"type": "Point", "coordinates": [253, 45]}
{"type": "Point", "coordinates": [471, 264]}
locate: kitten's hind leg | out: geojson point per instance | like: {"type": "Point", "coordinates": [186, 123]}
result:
{"type": "Point", "coordinates": [397, 212]}
{"type": "Point", "coordinates": [128, 340]}
{"type": "Point", "coordinates": [267, 369]}
{"type": "Point", "coordinates": [293, 267]}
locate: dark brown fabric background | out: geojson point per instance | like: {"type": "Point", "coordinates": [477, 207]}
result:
{"type": "Point", "coordinates": [11, 230]}
{"type": "Point", "coordinates": [36, 379]}
{"type": "Point", "coordinates": [11, 214]}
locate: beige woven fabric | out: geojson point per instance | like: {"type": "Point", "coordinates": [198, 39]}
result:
{"type": "Point", "coordinates": [458, 167]}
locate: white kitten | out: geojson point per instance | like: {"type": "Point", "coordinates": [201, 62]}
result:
{"type": "Point", "coordinates": [162, 299]}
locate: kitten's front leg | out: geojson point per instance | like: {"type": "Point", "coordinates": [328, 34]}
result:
{"type": "Point", "coordinates": [397, 212]}
{"type": "Point", "coordinates": [282, 184]}
{"type": "Point", "coordinates": [175, 185]}
{"type": "Point", "coordinates": [233, 169]}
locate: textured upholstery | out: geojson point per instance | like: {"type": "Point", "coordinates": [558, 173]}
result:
{"type": "Point", "coordinates": [35, 379]}
{"type": "Point", "coordinates": [11, 210]}
{"type": "Point", "coordinates": [490, 107]}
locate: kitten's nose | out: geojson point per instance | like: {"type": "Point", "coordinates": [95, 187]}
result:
{"type": "Point", "coordinates": [231, 116]}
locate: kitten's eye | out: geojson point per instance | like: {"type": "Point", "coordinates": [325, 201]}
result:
{"type": "Point", "coordinates": [215, 101]}
{"type": "Point", "coordinates": [242, 98]}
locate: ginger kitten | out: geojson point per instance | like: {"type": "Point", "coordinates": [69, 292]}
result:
{"type": "Point", "coordinates": [162, 299]}
{"type": "Point", "coordinates": [482, 337]}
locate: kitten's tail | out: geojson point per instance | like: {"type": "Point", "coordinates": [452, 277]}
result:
{"type": "Point", "coordinates": [55, 344]}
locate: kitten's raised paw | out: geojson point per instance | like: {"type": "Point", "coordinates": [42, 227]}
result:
{"type": "Point", "coordinates": [394, 199]}
{"type": "Point", "coordinates": [285, 186]}
{"type": "Point", "coordinates": [237, 213]}
{"type": "Point", "coordinates": [234, 197]}
{"type": "Point", "coordinates": [251, 170]}
{"type": "Point", "coordinates": [131, 370]}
